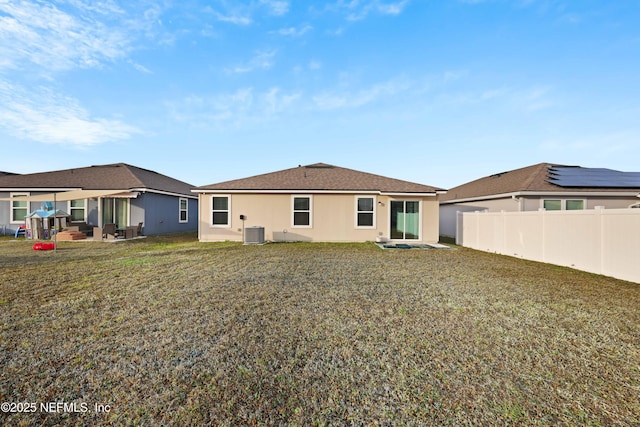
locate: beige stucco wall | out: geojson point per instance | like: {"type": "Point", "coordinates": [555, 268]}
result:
{"type": "Point", "coordinates": [333, 218]}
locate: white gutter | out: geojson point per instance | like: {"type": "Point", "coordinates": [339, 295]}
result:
{"type": "Point", "coordinates": [40, 189]}
{"type": "Point", "coordinates": [377, 192]}
{"type": "Point", "coordinates": [60, 191]}
{"type": "Point", "coordinates": [382, 193]}
{"type": "Point", "coordinates": [164, 193]}
{"type": "Point", "coordinates": [283, 192]}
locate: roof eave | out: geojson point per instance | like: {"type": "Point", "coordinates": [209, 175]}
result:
{"type": "Point", "coordinates": [582, 193]}
{"type": "Point", "coordinates": [310, 191]}
{"type": "Point", "coordinates": [164, 193]}
{"type": "Point", "coordinates": [42, 189]}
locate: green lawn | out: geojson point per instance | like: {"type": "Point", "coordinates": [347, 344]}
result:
{"type": "Point", "coordinates": [169, 331]}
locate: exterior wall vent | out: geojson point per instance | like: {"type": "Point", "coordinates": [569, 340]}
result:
{"type": "Point", "coordinates": [254, 235]}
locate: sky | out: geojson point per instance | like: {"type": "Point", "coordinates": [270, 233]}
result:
{"type": "Point", "coordinates": [436, 92]}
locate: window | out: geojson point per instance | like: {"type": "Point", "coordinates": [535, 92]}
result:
{"type": "Point", "coordinates": [559, 204]}
{"type": "Point", "coordinates": [302, 211]}
{"type": "Point", "coordinates": [575, 205]}
{"type": "Point", "coordinates": [220, 211]}
{"type": "Point", "coordinates": [365, 212]}
{"type": "Point", "coordinates": [552, 205]}
{"type": "Point", "coordinates": [19, 208]}
{"type": "Point", "coordinates": [77, 210]}
{"type": "Point", "coordinates": [183, 210]}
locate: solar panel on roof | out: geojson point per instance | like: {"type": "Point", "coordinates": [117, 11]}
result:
{"type": "Point", "coordinates": [592, 177]}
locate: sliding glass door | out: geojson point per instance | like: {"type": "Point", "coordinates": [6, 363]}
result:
{"type": "Point", "coordinates": [405, 220]}
{"type": "Point", "coordinates": [115, 211]}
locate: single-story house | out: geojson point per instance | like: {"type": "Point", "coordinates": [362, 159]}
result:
{"type": "Point", "coordinates": [118, 194]}
{"type": "Point", "coordinates": [319, 202]}
{"type": "Point", "coordinates": [542, 186]}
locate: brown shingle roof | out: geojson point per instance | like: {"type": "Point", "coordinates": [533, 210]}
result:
{"type": "Point", "coordinates": [104, 177]}
{"type": "Point", "coordinates": [320, 177]}
{"type": "Point", "coordinates": [531, 178]}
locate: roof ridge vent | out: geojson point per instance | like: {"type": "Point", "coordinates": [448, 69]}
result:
{"type": "Point", "coordinates": [498, 175]}
{"type": "Point", "coordinates": [320, 166]}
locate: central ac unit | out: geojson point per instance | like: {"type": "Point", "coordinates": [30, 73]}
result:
{"type": "Point", "coordinates": [254, 235]}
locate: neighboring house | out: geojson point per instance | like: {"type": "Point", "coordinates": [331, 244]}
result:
{"type": "Point", "coordinates": [542, 186]}
{"type": "Point", "coordinates": [319, 202]}
{"type": "Point", "coordinates": [118, 193]}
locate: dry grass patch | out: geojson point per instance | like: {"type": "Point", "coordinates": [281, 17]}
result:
{"type": "Point", "coordinates": [168, 331]}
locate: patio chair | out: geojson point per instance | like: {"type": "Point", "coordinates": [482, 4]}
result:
{"type": "Point", "coordinates": [109, 231]}
{"type": "Point", "coordinates": [139, 230]}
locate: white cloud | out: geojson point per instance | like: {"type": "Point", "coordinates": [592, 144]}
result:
{"type": "Point", "coordinates": [261, 61]}
{"type": "Point", "coordinates": [451, 76]}
{"type": "Point", "coordinates": [45, 116]}
{"type": "Point", "coordinates": [241, 108]}
{"type": "Point", "coordinates": [234, 19]}
{"type": "Point", "coordinates": [293, 31]}
{"type": "Point", "coordinates": [100, 7]}
{"type": "Point", "coordinates": [32, 33]}
{"type": "Point", "coordinates": [531, 99]}
{"type": "Point", "coordinates": [277, 7]}
{"type": "Point", "coordinates": [536, 98]}
{"type": "Point", "coordinates": [140, 67]}
{"type": "Point", "coordinates": [356, 10]}
{"type": "Point", "coordinates": [242, 14]}
{"type": "Point", "coordinates": [276, 102]}
{"type": "Point", "coordinates": [348, 99]}
{"type": "Point", "coordinates": [392, 8]}
{"type": "Point", "coordinates": [44, 39]}
{"type": "Point", "coordinates": [463, 98]}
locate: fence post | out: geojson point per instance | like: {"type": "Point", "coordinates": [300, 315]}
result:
{"type": "Point", "coordinates": [600, 237]}
{"type": "Point", "coordinates": [503, 217]}
{"type": "Point", "coordinates": [459, 218]}
{"type": "Point", "coordinates": [477, 218]}
{"type": "Point", "coordinates": [542, 213]}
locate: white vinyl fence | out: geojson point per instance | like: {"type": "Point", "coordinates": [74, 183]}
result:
{"type": "Point", "coordinates": [602, 241]}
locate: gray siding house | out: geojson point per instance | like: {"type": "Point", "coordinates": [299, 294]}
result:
{"type": "Point", "coordinates": [546, 186]}
{"type": "Point", "coordinates": [116, 193]}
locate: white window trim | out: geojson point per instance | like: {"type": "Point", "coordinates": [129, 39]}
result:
{"type": "Point", "coordinates": [11, 196]}
{"type": "Point", "coordinates": [84, 209]}
{"type": "Point", "coordinates": [299, 196]}
{"type": "Point", "coordinates": [375, 203]}
{"type": "Point", "coordinates": [563, 202]}
{"type": "Point", "coordinates": [180, 210]}
{"type": "Point", "coordinates": [228, 225]}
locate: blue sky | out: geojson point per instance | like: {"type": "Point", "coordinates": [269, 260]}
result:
{"type": "Point", "coordinates": [436, 92]}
